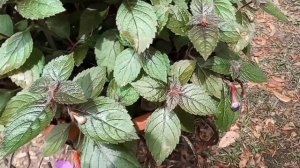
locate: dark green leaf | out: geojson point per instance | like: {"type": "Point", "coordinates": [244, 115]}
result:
{"type": "Point", "coordinates": [15, 51]}
{"type": "Point", "coordinates": [196, 101]}
{"type": "Point", "coordinates": [178, 20]}
{"type": "Point", "coordinates": [162, 13]}
{"type": "Point", "coordinates": [95, 154]}
{"type": "Point", "coordinates": [80, 53]}
{"type": "Point", "coordinates": [225, 10]}
{"type": "Point", "coordinates": [107, 122]}
{"type": "Point", "coordinates": [127, 67]}
{"type": "Point", "coordinates": [69, 92]}
{"type": "Point", "coordinates": [182, 70]}
{"type": "Point", "coordinates": [151, 89]}
{"type": "Point", "coordinates": [273, 10]}
{"type": "Point", "coordinates": [218, 65]}
{"type": "Point", "coordinates": [5, 96]}
{"type": "Point", "coordinates": [60, 68]}
{"type": "Point", "coordinates": [29, 121]}
{"type": "Point", "coordinates": [56, 140]}
{"type": "Point", "coordinates": [60, 25]}
{"type": "Point", "coordinates": [6, 26]}
{"type": "Point", "coordinates": [162, 134]}
{"type": "Point", "coordinates": [91, 81]}
{"type": "Point", "coordinates": [187, 120]}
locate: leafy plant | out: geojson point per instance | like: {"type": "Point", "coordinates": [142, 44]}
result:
{"type": "Point", "coordinates": [96, 65]}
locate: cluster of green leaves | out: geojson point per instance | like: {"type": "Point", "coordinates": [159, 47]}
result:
{"type": "Point", "coordinates": [174, 54]}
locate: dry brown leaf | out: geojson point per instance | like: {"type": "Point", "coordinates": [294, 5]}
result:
{"type": "Point", "coordinates": [289, 127]}
{"type": "Point", "coordinates": [257, 131]}
{"type": "Point", "coordinates": [282, 97]}
{"type": "Point", "coordinates": [278, 79]}
{"type": "Point", "coordinates": [229, 138]}
{"type": "Point", "coordinates": [297, 64]}
{"type": "Point", "coordinates": [244, 158]}
{"type": "Point", "coordinates": [270, 124]}
{"type": "Point", "coordinates": [272, 28]}
{"type": "Point", "coordinates": [259, 161]}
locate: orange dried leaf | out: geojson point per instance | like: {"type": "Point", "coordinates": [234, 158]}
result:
{"type": "Point", "coordinates": [229, 138]}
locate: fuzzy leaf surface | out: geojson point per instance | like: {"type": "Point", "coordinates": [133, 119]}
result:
{"type": "Point", "coordinates": [69, 92]}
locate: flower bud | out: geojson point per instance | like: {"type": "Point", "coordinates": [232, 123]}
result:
{"type": "Point", "coordinates": [235, 104]}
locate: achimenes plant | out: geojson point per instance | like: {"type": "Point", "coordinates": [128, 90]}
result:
{"type": "Point", "coordinates": [95, 65]}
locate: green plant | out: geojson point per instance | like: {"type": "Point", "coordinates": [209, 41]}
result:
{"type": "Point", "coordinates": [95, 65]}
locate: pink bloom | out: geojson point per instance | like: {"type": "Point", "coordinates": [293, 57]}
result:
{"type": "Point", "coordinates": [63, 164]}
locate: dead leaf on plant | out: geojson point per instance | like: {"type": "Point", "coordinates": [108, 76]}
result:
{"type": "Point", "coordinates": [229, 138]}
{"type": "Point", "coordinates": [244, 158]}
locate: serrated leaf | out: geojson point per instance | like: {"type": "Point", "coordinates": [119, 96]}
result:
{"type": "Point", "coordinates": [252, 72]}
{"type": "Point", "coordinates": [95, 154]}
{"type": "Point", "coordinates": [17, 102]}
{"type": "Point", "coordinates": [6, 26]}
{"type": "Point", "coordinates": [247, 33]}
{"type": "Point", "coordinates": [182, 70]}
{"type": "Point", "coordinates": [162, 13]}
{"type": "Point", "coordinates": [218, 65]}
{"type": "Point", "coordinates": [225, 116]}
{"type": "Point", "coordinates": [210, 82]}
{"type": "Point", "coordinates": [178, 20]}
{"type": "Point", "coordinates": [91, 81]}
{"type": "Point", "coordinates": [196, 101]}
{"type": "Point", "coordinates": [15, 51]}
{"type": "Point", "coordinates": [173, 96]}
{"type": "Point", "coordinates": [151, 89]}
{"type": "Point", "coordinates": [91, 18]}
{"type": "Point", "coordinates": [156, 64]}
{"type": "Point", "coordinates": [60, 25]}
{"type": "Point", "coordinates": [56, 140]}
{"type": "Point", "coordinates": [39, 9]}
{"type": "Point", "coordinates": [69, 92]}
{"type": "Point", "coordinates": [5, 96]}
{"type": "Point", "coordinates": [60, 68]}
{"type": "Point", "coordinates": [126, 95]}
{"type": "Point", "coordinates": [204, 39]}
{"type": "Point", "coordinates": [273, 10]}
{"type": "Point", "coordinates": [225, 9]}
{"type": "Point", "coordinates": [137, 21]}
{"type": "Point", "coordinates": [181, 3]}
{"type": "Point", "coordinates": [127, 67]}
{"type": "Point", "coordinates": [29, 121]}
{"type": "Point", "coordinates": [41, 85]}
{"type": "Point", "coordinates": [162, 134]}
{"type": "Point", "coordinates": [30, 71]}
{"type": "Point", "coordinates": [230, 32]}
{"type": "Point", "coordinates": [107, 49]}
{"type": "Point", "coordinates": [80, 53]}
{"type": "Point", "coordinates": [107, 121]}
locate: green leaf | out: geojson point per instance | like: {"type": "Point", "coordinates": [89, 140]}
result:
{"type": "Point", "coordinates": [204, 39]}
{"type": "Point", "coordinates": [230, 32]}
{"type": "Point", "coordinates": [162, 13]}
{"type": "Point", "coordinates": [91, 19]}
{"type": "Point", "coordinates": [225, 116]}
{"type": "Point", "coordinates": [41, 85]}
{"type": "Point", "coordinates": [5, 96]}
{"type": "Point", "coordinates": [178, 20]}
{"type": "Point", "coordinates": [127, 67]}
{"type": "Point", "coordinates": [182, 70]}
{"type": "Point", "coordinates": [18, 102]}
{"type": "Point", "coordinates": [56, 140]}
{"type": "Point", "coordinates": [161, 2]}
{"type": "Point", "coordinates": [15, 51]}
{"type": "Point", "coordinates": [181, 3]}
{"type": "Point", "coordinates": [273, 10]}
{"type": "Point", "coordinates": [91, 81]}
{"type": "Point", "coordinates": [210, 81]}
{"type": "Point", "coordinates": [162, 134]}
{"type": "Point", "coordinates": [252, 72]}
{"type": "Point", "coordinates": [187, 120]}
{"type": "Point", "coordinates": [225, 10]}
{"type": "Point", "coordinates": [2, 2]}
{"type": "Point", "coordinates": [30, 71]}
{"type": "Point", "coordinates": [39, 9]}
{"type": "Point", "coordinates": [196, 101]}
{"type": "Point", "coordinates": [95, 154]}
{"type": "Point", "coordinates": [218, 65]}
{"type": "Point", "coordinates": [60, 68]}
{"type": "Point", "coordinates": [69, 92]}
{"type": "Point", "coordinates": [107, 121]}
{"type": "Point", "coordinates": [29, 121]}
{"type": "Point", "coordinates": [80, 53]}
{"type": "Point", "coordinates": [137, 21]}
{"type": "Point", "coordinates": [156, 64]}
{"type": "Point", "coordinates": [6, 26]}
{"type": "Point", "coordinates": [126, 95]}
{"type": "Point", "coordinates": [151, 89]}
{"type": "Point", "coordinates": [60, 25]}
{"type": "Point", "coordinates": [107, 49]}
{"type": "Point", "coordinates": [247, 33]}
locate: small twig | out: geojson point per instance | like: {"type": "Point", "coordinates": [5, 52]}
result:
{"type": "Point", "coordinates": [49, 164]}
{"type": "Point", "coordinates": [29, 159]}
{"type": "Point", "coordinates": [10, 165]}
{"type": "Point", "coordinates": [245, 5]}
{"type": "Point", "coordinates": [190, 145]}
{"type": "Point", "coordinates": [41, 161]}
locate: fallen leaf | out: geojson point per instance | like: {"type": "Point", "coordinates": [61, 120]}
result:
{"type": "Point", "coordinates": [270, 124]}
{"type": "Point", "coordinates": [259, 161]}
{"type": "Point", "coordinates": [244, 158]}
{"type": "Point", "coordinates": [278, 79]}
{"type": "Point", "coordinates": [297, 64]}
{"type": "Point", "coordinates": [257, 131]}
{"type": "Point", "coordinates": [289, 127]}
{"type": "Point", "coordinates": [282, 97]}
{"type": "Point", "coordinates": [272, 28]}
{"type": "Point", "coordinates": [229, 138]}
